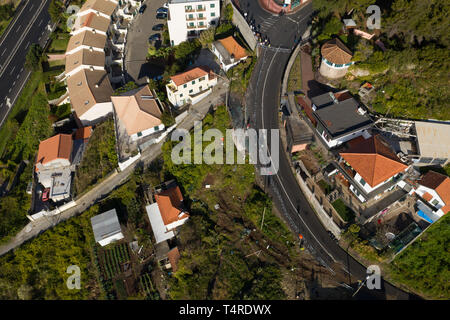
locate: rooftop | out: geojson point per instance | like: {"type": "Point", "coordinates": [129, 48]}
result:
{"type": "Point", "coordinates": [339, 117]}
{"type": "Point", "coordinates": [374, 160]}
{"type": "Point", "coordinates": [229, 49]}
{"type": "Point", "coordinates": [192, 74]}
{"type": "Point", "coordinates": [86, 38]}
{"type": "Point", "coordinates": [56, 147]}
{"type": "Point", "coordinates": [138, 109]}
{"type": "Point", "coordinates": [94, 21]}
{"type": "Point", "coordinates": [87, 88]}
{"type": "Point", "coordinates": [104, 6]}
{"type": "Point", "coordinates": [170, 205]}
{"type": "Point", "coordinates": [441, 184]}
{"type": "Point", "coordinates": [105, 225]}
{"type": "Point", "coordinates": [433, 139]}
{"type": "Point", "coordinates": [336, 52]}
{"type": "Point", "coordinates": [85, 57]}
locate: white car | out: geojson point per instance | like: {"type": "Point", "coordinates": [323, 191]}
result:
{"type": "Point", "coordinates": [166, 5]}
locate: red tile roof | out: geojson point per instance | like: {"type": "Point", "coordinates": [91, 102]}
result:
{"type": "Point", "coordinates": [233, 48]}
{"type": "Point", "coordinates": [374, 160]}
{"type": "Point", "coordinates": [169, 203]}
{"type": "Point", "coordinates": [336, 52]}
{"type": "Point", "coordinates": [441, 184]}
{"type": "Point", "coordinates": [174, 256]}
{"type": "Point", "coordinates": [83, 133]}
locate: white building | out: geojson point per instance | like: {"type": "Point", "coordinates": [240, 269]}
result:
{"type": "Point", "coordinates": [187, 18]}
{"type": "Point", "coordinates": [434, 188]}
{"type": "Point", "coordinates": [190, 86]}
{"type": "Point", "coordinates": [106, 227]}
{"type": "Point", "coordinates": [229, 52]}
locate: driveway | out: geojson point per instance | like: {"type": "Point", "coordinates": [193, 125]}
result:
{"type": "Point", "coordinates": [136, 67]}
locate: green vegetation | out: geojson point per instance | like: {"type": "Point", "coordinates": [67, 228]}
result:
{"type": "Point", "coordinates": [345, 212]}
{"type": "Point", "coordinates": [362, 247]}
{"type": "Point", "coordinates": [240, 75]}
{"type": "Point", "coordinates": [424, 265]}
{"type": "Point", "coordinates": [217, 260]}
{"type": "Point", "coordinates": [33, 58]}
{"type": "Point", "coordinates": [295, 76]}
{"type": "Point", "coordinates": [148, 288]}
{"type": "Point", "coordinates": [56, 10]}
{"type": "Point", "coordinates": [411, 75]}
{"type": "Point", "coordinates": [127, 87]}
{"type": "Point", "coordinates": [99, 159]}
{"type": "Point", "coordinates": [37, 270]}
{"type": "Point", "coordinates": [326, 188]}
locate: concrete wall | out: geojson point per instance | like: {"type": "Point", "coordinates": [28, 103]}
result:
{"type": "Point", "coordinates": [243, 27]}
{"type": "Point", "coordinates": [332, 73]}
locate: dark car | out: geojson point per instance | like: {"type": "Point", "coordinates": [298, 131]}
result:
{"type": "Point", "coordinates": [158, 27]}
{"type": "Point", "coordinates": [154, 37]}
{"type": "Point", "coordinates": [142, 8]}
{"type": "Point", "coordinates": [161, 15]}
{"type": "Point", "coordinates": [162, 10]}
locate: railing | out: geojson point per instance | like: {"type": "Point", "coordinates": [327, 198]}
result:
{"type": "Point", "coordinates": [201, 9]}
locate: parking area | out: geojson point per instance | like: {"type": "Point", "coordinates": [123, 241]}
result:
{"type": "Point", "coordinates": [136, 67]}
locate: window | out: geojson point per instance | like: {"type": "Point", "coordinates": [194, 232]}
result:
{"type": "Point", "coordinates": [199, 7]}
{"type": "Point", "coordinates": [190, 91]}
{"type": "Point", "coordinates": [191, 16]}
{"type": "Point", "coordinates": [212, 5]}
{"type": "Point", "coordinates": [338, 65]}
{"type": "Point", "coordinates": [139, 134]}
{"type": "Point", "coordinates": [434, 202]}
{"type": "Point", "coordinates": [185, 85]}
{"type": "Point", "coordinates": [181, 95]}
{"type": "Point", "coordinates": [191, 24]}
{"type": "Point", "coordinates": [213, 23]}
{"type": "Point", "coordinates": [193, 81]}
{"type": "Point", "coordinates": [213, 14]}
{"type": "Point", "coordinates": [156, 128]}
{"type": "Point", "coordinates": [201, 79]}
{"type": "Point", "coordinates": [201, 24]}
{"type": "Point", "coordinates": [200, 15]}
{"type": "Point", "coordinates": [363, 183]}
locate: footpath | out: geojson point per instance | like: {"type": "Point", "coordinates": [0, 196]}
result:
{"type": "Point", "coordinates": [115, 179]}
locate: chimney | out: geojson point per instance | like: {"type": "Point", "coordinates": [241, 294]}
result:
{"type": "Point", "coordinates": [96, 85]}
{"type": "Point", "coordinates": [92, 68]}
{"type": "Point", "coordinates": [232, 58]}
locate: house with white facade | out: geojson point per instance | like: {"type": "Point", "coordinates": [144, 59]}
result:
{"type": "Point", "coordinates": [371, 167]}
{"type": "Point", "coordinates": [90, 95]}
{"type": "Point", "coordinates": [167, 213]}
{"type": "Point", "coordinates": [139, 111]}
{"type": "Point", "coordinates": [106, 228]}
{"type": "Point", "coordinates": [336, 59]}
{"type": "Point", "coordinates": [91, 22]}
{"type": "Point", "coordinates": [188, 18]}
{"type": "Point", "coordinates": [191, 86]}
{"type": "Point", "coordinates": [84, 59]}
{"type": "Point", "coordinates": [53, 165]}
{"type": "Point", "coordinates": [434, 189]}
{"type": "Point", "coordinates": [339, 118]}
{"type": "Point", "coordinates": [229, 52]}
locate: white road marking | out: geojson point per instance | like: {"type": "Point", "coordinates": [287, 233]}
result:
{"type": "Point", "coordinates": [40, 22]}
{"type": "Point", "coordinates": [9, 90]}
{"type": "Point", "coordinates": [31, 7]}
{"type": "Point", "coordinates": [18, 76]}
{"type": "Point", "coordinates": [18, 28]}
{"type": "Point", "coordinates": [279, 180]}
{"type": "Point", "coordinates": [12, 70]}
{"type": "Point", "coordinates": [14, 83]}
{"type": "Point", "coordinates": [4, 50]}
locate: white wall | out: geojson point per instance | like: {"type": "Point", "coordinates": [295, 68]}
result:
{"type": "Point", "coordinates": [174, 225]}
{"type": "Point", "coordinates": [224, 66]}
{"type": "Point", "coordinates": [178, 23]}
{"type": "Point", "coordinates": [115, 237]}
{"type": "Point", "coordinates": [147, 132]}
{"type": "Point", "coordinates": [338, 141]}
{"type": "Point", "coordinates": [422, 189]}
{"type": "Point", "coordinates": [84, 47]}
{"type": "Point", "coordinates": [82, 67]}
{"type": "Point", "coordinates": [177, 97]}
{"type": "Point", "coordinates": [96, 113]}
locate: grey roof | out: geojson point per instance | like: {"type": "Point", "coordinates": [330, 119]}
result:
{"type": "Point", "coordinates": [298, 132]}
{"type": "Point", "coordinates": [323, 100]}
{"type": "Point", "coordinates": [105, 225]}
{"type": "Point", "coordinates": [341, 118]}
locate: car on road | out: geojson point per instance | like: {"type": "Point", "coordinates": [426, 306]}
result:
{"type": "Point", "coordinates": [162, 10]}
{"type": "Point", "coordinates": [45, 194]}
{"type": "Point", "coordinates": [154, 37]}
{"type": "Point", "coordinates": [161, 15]}
{"type": "Point", "coordinates": [158, 27]}
{"type": "Point", "coordinates": [142, 8]}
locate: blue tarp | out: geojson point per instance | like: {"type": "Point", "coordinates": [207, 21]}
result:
{"type": "Point", "coordinates": [423, 215]}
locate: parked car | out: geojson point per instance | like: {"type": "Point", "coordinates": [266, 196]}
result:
{"type": "Point", "coordinates": [142, 8]}
{"type": "Point", "coordinates": [45, 194]}
{"type": "Point", "coordinates": [161, 15]}
{"type": "Point", "coordinates": [162, 10]}
{"type": "Point", "coordinates": [154, 37]}
{"type": "Point", "coordinates": [166, 5]}
{"type": "Point", "coordinates": [158, 27]}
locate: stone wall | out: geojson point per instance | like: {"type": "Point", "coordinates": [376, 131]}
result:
{"type": "Point", "coordinates": [243, 27]}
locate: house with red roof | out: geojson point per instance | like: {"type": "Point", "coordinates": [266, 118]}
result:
{"type": "Point", "coordinates": [372, 167]}
{"type": "Point", "coordinates": [229, 52]}
{"type": "Point", "coordinates": [167, 213]}
{"type": "Point", "coordinates": [191, 86]}
{"type": "Point", "coordinates": [434, 189]}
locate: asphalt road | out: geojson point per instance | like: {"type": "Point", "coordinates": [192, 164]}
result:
{"type": "Point", "coordinates": [30, 26]}
{"type": "Point", "coordinates": [263, 103]}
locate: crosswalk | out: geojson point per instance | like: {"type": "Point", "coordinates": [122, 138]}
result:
{"type": "Point", "coordinates": [267, 24]}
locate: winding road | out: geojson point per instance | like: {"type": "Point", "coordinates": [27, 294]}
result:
{"type": "Point", "coordinates": [263, 99]}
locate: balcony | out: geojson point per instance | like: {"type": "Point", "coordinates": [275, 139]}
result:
{"type": "Point", "coordinates": [201, 9]}
{"type": "Point", "coordinates": [202, 26]}
{"type": "Point", "coordinates": [172, 87]}
{"type": "Point", "coordinates": [191, 27]}
{"type": "Point", "coordinates": [189, 9]}
{"type": "Point", "coordinates": [190, 19]}
{"type": "Point", "coordinates": [201, 18]}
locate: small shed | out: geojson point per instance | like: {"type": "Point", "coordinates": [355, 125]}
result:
{"type": "Point", "coordinates": [106, 227]}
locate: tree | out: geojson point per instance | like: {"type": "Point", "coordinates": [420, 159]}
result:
{"type": "Point", "coordinates": [228, 13]}
{"type": "Point", "coordinates": [34, 57]}
{"type": "Point", "coordinates": [207, 36]}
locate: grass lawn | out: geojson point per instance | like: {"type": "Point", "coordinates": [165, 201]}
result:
{"type": "Point", "coordinates": [99, 159]}
{"type": "Point", "coordinates": [295, 76]}
{"type": "Point", "coordinates": [57, 63]}
{"type": "Point", "coordinates": [58, 45]}
{"type": "Point", "coordinates": [345, 212]}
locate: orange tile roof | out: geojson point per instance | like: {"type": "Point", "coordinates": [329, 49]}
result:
{"type": "Point", "coordinates": [233, 47]}
{"type": "Point", "coordinates": [56, 147]}
{"type": "Point", "coordinates": [427, 197]}
{"type": "Point", "coordinates": [92, 20]}
{"type": "Point", "coordinates": [195, 73]}
{"type": "Point", "coordinates": [104, 6]}
{"type": "Point", "coordinates": [374, 160]}
{"type": "Point", "coordinates": [174, 256]}
{"type": "Point", "coordinates": [88, 39]}
{"type": "Point", "coordinates": [336, 52]}
{"type": "Point", "coordinates": [169, 203]}
{"type": "Point", "coordinates": [136, 113]}
{"type": "Point", "coordinates": [83, 133]}
{"type": "Point", "coordinates": [438, 182]}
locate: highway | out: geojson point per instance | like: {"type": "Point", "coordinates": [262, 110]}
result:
{"type": "Point", "coordinates": [263, 99]}
{"type": "Point", "coordinates": [29, 26]}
